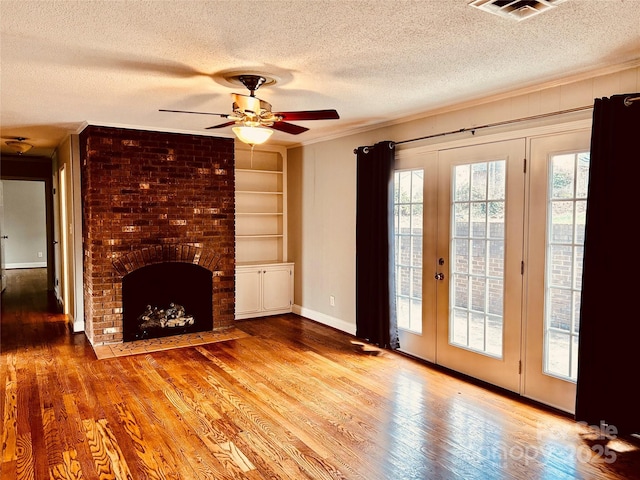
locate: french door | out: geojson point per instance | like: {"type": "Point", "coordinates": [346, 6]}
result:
{"type": "Point", "coordinates": [471, 259]}
{"type": "Point", "coordinates": [558, 185]}
{"type": "Point", "coordinates": [479, 256]}
{"type": "Point", "coordinates": [488, 303]}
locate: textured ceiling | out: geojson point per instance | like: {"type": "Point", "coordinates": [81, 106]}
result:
{"type": "Point", "coordinates": [68, 63]}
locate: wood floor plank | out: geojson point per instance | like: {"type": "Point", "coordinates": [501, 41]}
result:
{"type": "Point", "coordinates": [107, 455]}
{"type": "Point", "coordinates": [153, 445]}
{"type": "Point", "coordinates": [69, 469]}
{"type": "Point", "coordinates": [151, 467]}
{"type": "Point", "coordinates": [25, 462]}
{"type": "Point", "coordinates": [10, 411]}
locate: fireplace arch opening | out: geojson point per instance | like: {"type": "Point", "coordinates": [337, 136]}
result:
{"type": "Point", "coordinates": [168, 298]}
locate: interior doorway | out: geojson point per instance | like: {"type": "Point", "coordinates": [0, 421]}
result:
{"type": "Point", "coordinates": [28, 224]}
{"type": "Point", "coordinates": [25, 226]}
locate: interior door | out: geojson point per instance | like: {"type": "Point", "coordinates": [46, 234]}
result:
{"type": "Point", "coordinates": [479, 260]}
{"type": "Point", "coordinates": [557, 205]}
{"type": "Point", "coordinates": [3, 237]}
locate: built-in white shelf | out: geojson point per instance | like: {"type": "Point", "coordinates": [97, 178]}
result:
{"type": "Point", "coordinates": [260, 197]}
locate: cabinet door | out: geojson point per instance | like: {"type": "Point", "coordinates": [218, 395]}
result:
{"type": "Point", "coordinates": [276, 288]}
{"type": "Point", "coordinates": [248, 291]}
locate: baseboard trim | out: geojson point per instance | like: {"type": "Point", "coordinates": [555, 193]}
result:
{"type": "Point", "coordinates": [325, 319]}
{"type": "Point", "coordinates": [13, 266]}
{"type": "Point", "coordinates": [78, 326]}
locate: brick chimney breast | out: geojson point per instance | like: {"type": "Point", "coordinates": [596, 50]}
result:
{"type": "Point", "coordinates": [149, 197]}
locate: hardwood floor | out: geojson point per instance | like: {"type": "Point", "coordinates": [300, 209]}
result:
{"type": "Point", "coordinates": [291, 400]}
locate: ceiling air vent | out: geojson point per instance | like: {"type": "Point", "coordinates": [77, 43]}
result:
{"type": "Point", "coordinates": [515, 9]}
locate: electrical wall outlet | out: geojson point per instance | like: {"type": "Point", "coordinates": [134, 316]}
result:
{"type": "Point", "coordinates": [332, 300]}
{"type": "Point", "coordinates": [39, 254]}
{"type": "Point", "coordinates": [110, 330]}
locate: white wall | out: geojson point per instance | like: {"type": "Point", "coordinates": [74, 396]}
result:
{"type": "Point", "coordinates": [25, 224]}
{"type": "Point", "coordinates": [321, 182]}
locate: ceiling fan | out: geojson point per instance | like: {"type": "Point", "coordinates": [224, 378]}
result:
{"type": "Point", "coordinates": [254, 113]}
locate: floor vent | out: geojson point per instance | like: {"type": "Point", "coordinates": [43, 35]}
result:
{"type": "Point", "coordinates": [515, 9]}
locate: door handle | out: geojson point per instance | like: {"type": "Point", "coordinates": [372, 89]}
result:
{"type": "Point", "coordinates": [439, 276]}
{"type": "Point", "coordinates": [5, 236]}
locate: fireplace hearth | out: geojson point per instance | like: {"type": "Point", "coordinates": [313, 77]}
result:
{"type": "Point", "coordinates": [168, 298]}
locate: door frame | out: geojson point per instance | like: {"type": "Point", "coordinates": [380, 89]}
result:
{"type": "Point", "coordinates": [3, 275]}
{"type": "Point", "coordinates": [36, 169]}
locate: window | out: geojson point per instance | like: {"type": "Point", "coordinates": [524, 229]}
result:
{"type": "Point", "coordinates": [408, 226]}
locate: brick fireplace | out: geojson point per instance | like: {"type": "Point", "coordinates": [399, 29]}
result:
{"type": "Point", "coordinates": [152, 197]}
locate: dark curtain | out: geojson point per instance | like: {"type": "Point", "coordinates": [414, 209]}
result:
{"type": "Point", "coordinates": [375, 284]}
{"type": "Point", "coordinates": [609, 350]}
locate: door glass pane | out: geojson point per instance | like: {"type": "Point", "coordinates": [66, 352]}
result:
{"type": "Point", "coordinates": [408, 225]}
{"type": "Point", "coordinates": [566, 211]}
{"type": "Point", "coordinates": [461, 222]}
{"type": "Point", "coordinates": [476, 283]}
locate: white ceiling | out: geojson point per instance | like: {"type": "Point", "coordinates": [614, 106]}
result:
{"type": "Point", "coordinates": [68, 63]}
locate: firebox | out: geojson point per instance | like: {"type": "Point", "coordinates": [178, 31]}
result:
{"type": "Point", "coordinates": [168, 298]}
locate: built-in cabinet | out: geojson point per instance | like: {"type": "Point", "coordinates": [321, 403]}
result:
{"type": "Point", "coordinates": [264, 289]}
{"type": "Point", "coordinates": [264, 279]}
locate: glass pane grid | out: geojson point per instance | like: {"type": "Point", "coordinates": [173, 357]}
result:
{"type": "Point", "coordinates": [477, 270]}
{"type": "Point", "coordinates": [408, 223]}
{"type": "Point", "coordinates": [566, 213]}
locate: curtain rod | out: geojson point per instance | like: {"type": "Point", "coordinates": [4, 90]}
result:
{"type": "Point", "coordinates": [628, 101]}
{"type": "Point", "coordinates": [497, 124]}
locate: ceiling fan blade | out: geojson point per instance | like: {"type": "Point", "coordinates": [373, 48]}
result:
{"type": "Point", "coordinates": [310, 115]}
{"type": "Point", "coordinates": [289, 128]}
{"type": "Point", "coordinates": [226, 124]}
{"type": "Point", "coordinates": [223, 115]}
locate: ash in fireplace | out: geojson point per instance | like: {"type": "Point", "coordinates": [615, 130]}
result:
{"type": "Point", "coordinates": [172, 317]}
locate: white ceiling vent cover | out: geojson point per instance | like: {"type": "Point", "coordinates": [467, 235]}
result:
{"type": "Point", "coordinates": [515, 9]}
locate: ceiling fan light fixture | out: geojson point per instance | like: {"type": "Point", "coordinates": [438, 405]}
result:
{"type": "Point", "coordinates": [252, 135]}
{"type": "Point", "coordinates": [19, 145]}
